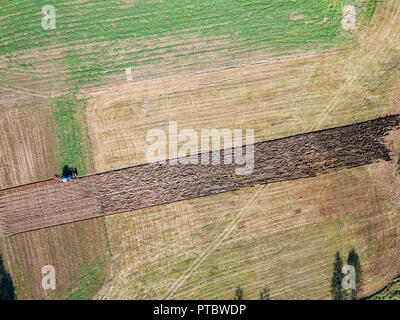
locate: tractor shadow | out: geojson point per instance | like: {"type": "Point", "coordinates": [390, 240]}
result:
{"type": "Point", "coordinates": [69, 171]}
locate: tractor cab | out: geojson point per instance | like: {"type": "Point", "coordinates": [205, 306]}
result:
{"type": "Point", "coordinates": [71, 177]}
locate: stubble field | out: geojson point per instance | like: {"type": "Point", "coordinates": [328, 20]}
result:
{"type": "Point", "coordinates": [94, 41]}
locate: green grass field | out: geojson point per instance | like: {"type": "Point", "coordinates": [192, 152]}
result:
{"type": "Point", "coordinates": [95, 40]}
{"type": "Point", "coordinates": [73, 147]}
{"type": "Point", "coordinates": [91, 279]}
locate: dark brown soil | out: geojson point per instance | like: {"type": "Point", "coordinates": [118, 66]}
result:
{"type": "Point", "coordinates": [52, 203]}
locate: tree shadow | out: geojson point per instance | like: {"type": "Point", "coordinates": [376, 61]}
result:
{"type": "Point", "coordinates": [7, 290]}
{"type": "Point", "coordinates": [69, 171]}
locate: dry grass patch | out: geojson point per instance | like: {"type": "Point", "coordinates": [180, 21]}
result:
{"type": "Point", "coordinates": [286, 240]}
{"type": "Point", "coordinates": [78, 251]}
{"type": "Point", "coordinates": [27, 144]}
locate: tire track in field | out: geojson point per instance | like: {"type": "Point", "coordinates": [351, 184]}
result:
{"type": "Point", "coordinates": [374, 47]}
{"type": "Point", "coordinates": [225, 233]}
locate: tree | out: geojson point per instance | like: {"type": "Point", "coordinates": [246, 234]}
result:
{"type": "Point", "coordinates": [264, 294]}
{"type": "Point", "coordinates": [354, 261]}
{"type": "Point", "coordinates": [337, 291]}
{"type": "Point", "coordinates": [6, 284]}
{"type": "Point", "coordinates": [238, 294]}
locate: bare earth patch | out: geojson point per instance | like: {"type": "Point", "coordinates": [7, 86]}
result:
{"type": "Point", "coordinates": [44, 204]}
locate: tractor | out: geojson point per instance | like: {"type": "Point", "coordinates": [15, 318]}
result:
{"type": "Point", "coordinates": [68, 174]}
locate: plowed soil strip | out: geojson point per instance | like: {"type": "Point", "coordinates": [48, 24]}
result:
{"type": "Point", "coordinates": [51, 203]}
